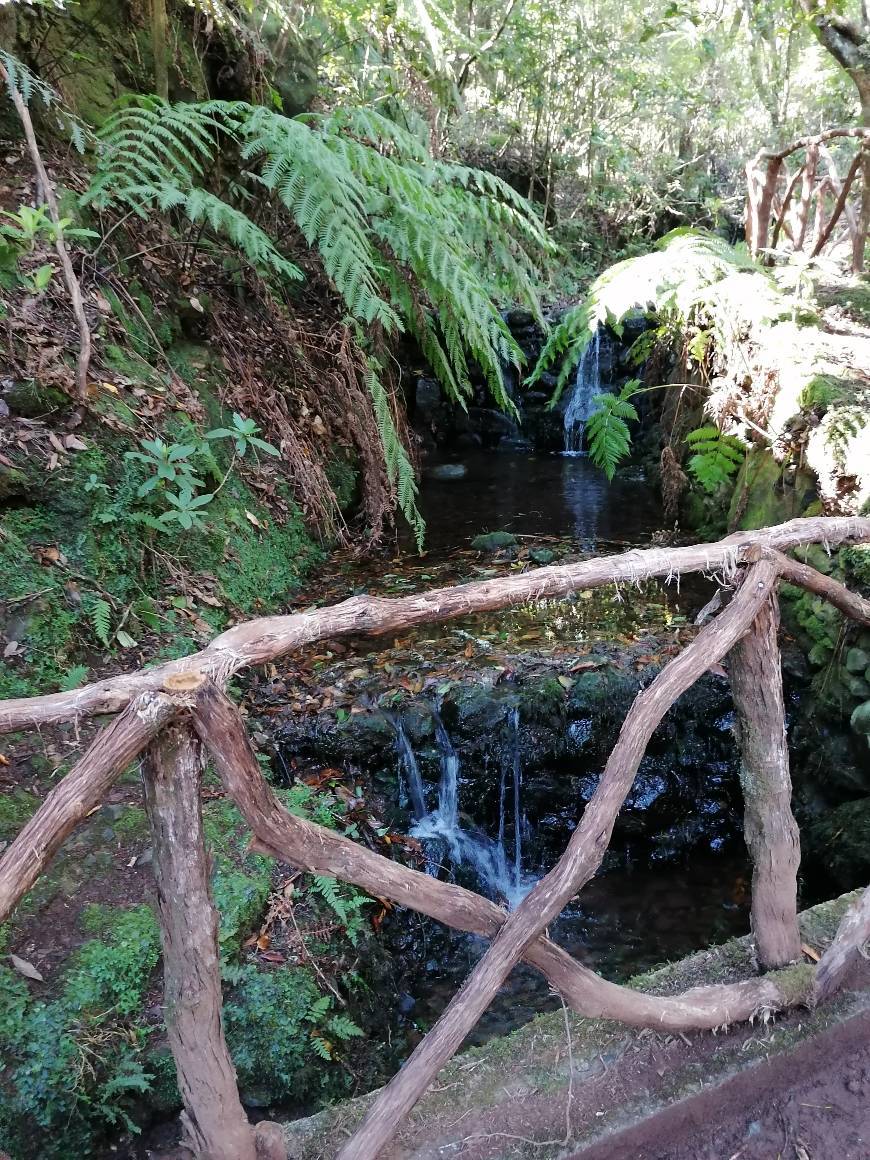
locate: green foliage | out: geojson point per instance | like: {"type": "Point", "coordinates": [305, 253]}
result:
{"type": "Point", "coordinates": [344, 901]}
{"type": "Point", "coordinates": [408, 241]}
{"type": "Point", "coordinates": [678, 278]}
{"type": "Point", "coordinates": [278, 1025]}
{"type": "Point", "coordinates": [100, 616]}
{"type": "Point", "coordinates": [20, 79]}
{"type": "Point", "coordinates": [607, 434]}
{"type": "Point", "coordinates": [71, 1063]}
{"type": "Point", "coordinates": [16, 808]}
{"type": "Point", "coordinates": [244, 434]}
{"type": "Point", "coordinates": [714, 457]}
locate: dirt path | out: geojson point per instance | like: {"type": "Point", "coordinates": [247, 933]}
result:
{"type": "Point", "coordinates": [812, 1103]}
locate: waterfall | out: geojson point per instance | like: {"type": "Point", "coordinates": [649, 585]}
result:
{"type": "Point", "coordinates": [448, 788]}
{"type": "Point", "coordinates": [517, 769]}
{"type": "Point", "coordinates": [410, 780]}
{"type": "Point", "coordinates": [443, 835]}
{"type": "Point", "coordinates": [587, 384]}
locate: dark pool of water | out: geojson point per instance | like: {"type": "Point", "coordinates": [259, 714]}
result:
{"type": "Point", "coordinates": [625, 922]}
{"type": "Point", "coordinates": [538, 495]}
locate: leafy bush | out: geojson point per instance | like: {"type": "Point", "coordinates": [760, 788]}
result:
{"type": "Point", "coordinates": [278, 1026]}
{"type": "Point", "coordinates": [71, 1062]}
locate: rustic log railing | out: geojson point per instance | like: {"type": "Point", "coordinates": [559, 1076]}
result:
{"type": "Point", "coordinates": [809, 206]}
{"type": "Point", "coordinates": [175, 712]}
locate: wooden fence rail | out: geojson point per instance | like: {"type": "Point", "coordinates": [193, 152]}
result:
{"type": "Point", "coordinates": [176, 711]}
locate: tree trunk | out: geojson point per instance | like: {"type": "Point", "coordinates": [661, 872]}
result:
{"type": "Point", "coordinates": [216, 1125]}
{"type": "Point", "coordinates": [859, 242]}
{"type": "Point", "coordinates": [160, 48]}
{"type": "Point", "coordinates": [770, 829]}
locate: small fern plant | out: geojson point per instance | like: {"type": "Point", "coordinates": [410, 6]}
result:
{"type": "Point", "coordinates": [608, 438]}
{"type": "Point", "coordinates": [714, 457]}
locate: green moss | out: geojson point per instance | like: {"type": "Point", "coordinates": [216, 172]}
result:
{"type": "Point", "coordinates": [16, 808]}
{"type": "Point", "coordinates": [33, 400]}
{"type": "Point", "coordinates": [132, 824]}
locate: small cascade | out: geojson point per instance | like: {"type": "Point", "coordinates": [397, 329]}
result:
{"type": "Point", "coordinates": [446, 838]}
{"type": "Point", "coordinates": [517, 770]}
{"type": "Point", "coordinates": [411, 788]}
{"type": "Point", "coordinates": [448, 788]}
{"type": "Point", "coordinates": [587, 384]}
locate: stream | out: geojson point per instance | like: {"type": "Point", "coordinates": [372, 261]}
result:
{"type": "Point", "coordinates": [489, 766]}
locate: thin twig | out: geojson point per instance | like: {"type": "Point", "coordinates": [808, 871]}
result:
{"type": "Point", "coordinates": [69, 277]}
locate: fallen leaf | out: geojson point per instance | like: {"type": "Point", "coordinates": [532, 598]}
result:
{"type": "Point", "coordinates": [11, 648]}
{"type": "Point", "coordinates": [810, 953]}
{"type": "Point", "coordinates": [73, 443]}
{"type": "Point", "coordinates": [253, 519]}
{"type": "Point", "coordinates": [28, 970]}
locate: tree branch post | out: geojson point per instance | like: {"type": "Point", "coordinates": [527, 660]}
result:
{"type": "Point", "coordinates": [771, 832]}
{"type": "Point", "coordinates": [215, 1123]}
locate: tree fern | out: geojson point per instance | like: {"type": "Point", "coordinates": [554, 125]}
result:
{"type": "Point", "coordinates": [607, 435]}
{"type": "Point", "coordinates": [715, 457]}
{"type": "Point", "coordinates": [408, 242]}
{"type": "Point", "coordinates": [679, 276]}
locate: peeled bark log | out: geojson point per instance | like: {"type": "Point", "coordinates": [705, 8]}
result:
{"type": "Point", "coordinates": [771, 832]}
{"type": "Point", "coordinates": [850, 943]}
{"type": "Point", "coordinates": [580, 861]}
{"type": "Point", "coordinates": [259, 641]}
{"type": "Point", "coordinates": [215, 1123]}
{"type": "Point", "coordinates": [81, 791]}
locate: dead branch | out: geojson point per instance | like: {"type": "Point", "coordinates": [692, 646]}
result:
{"type": "Point", "coordinates": [850, 943]}
{"type": "Point", "coordinates": [215, 1123]}
{"type": "Point", "coordinates": [580, 861]}
{"type": "Point", "coordinates": [307, 846]}
{"type": "Point", "coordinates": [266, 639]}
{"type": "Point", "coordinates": [81, 791]}
{"type": "Point", "coordinates": [72, 283]}
{"type": "Point", "coordinates": [771, 832]}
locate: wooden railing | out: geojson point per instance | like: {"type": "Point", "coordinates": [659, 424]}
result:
{"type": "Point", "coordinates": [174, 712]}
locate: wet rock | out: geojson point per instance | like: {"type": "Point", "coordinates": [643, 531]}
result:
{"type": "Point", "coordinates": [447, 471]}
{"type": "Point", "coordinates": [857, 660]}
{"type": "Point", "coordinates": [860, 719]}
{"type": "Point", "coordinates": [493, 541]}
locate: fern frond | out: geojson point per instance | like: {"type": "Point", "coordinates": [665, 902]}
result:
{"type": "Point", "coordinates": [608, 438]}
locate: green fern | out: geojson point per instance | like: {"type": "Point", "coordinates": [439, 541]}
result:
{"type": "Point", "coordinates": [21, 80]}
{"type": "Point", "coordinates": [715, 457]}
{"type": "Point", "coordinates": [607, 435]}
{"type": "Point", "coordinates": [408, 242]}
{"type": "Point", "coordinates": [100, 616]}
{"type": "Point", "coordinates": [680, 277]}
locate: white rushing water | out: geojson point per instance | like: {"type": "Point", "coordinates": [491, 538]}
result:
{"type": "Point", "coordinates": [442, 833]}
{"type": "Point", "coordinates": [587, 384]}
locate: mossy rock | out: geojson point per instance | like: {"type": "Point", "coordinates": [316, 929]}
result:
{"type": "Point", "coordinates": [762, 497]}
{"type": "Point", "coordinates": [860, 719]}
{"type": "Point", "coordinates": [14, 484]}
{"type": "Point", "coordinates": [31, 400]}
{"type": "Point", "coordinates": [494, 541]}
